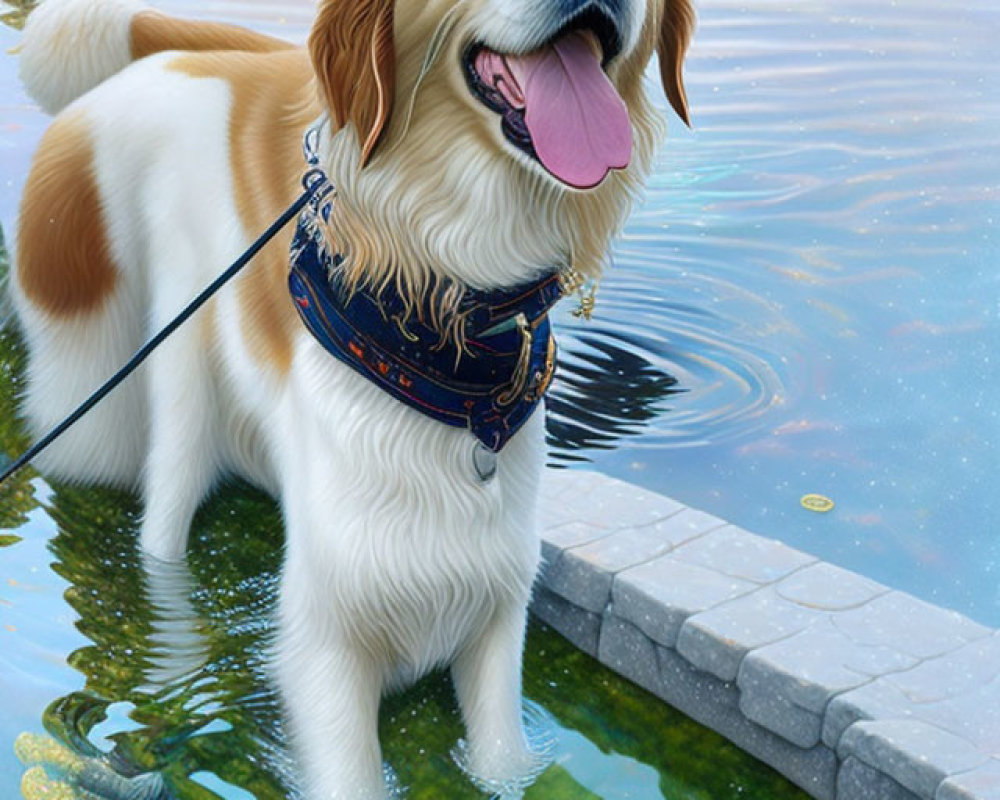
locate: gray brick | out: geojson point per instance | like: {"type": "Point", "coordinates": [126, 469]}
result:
{"type": "Point", "coordinates": [629, 652]}
{"type": "Point", "coordinates": [555, 515]}
{"type": "Point", "coordinates": [775, 711]}
{"type": "Point", "coordinates": [618, 505]}
{"type": "Point", "coordinates": [718, 639]}
{"type": "Point", "coordinates": [982, 783]}
{"type": "Point", "coordinates": [909, 626]}
{"type": "Point", "coordinates": [916, 755]}
{"type": "Point", "coordinates": [715, 704]}
{"type": "Point", "coordinates": [958, 692]}
{"type": "Point", "coordinates": [789, 657]}
{"type": "Point", "coordinates": [582, 628]}
{"type": "Point", "coordinates": [873, 700]}
{"type": "Point", "coordinates": [579, 581]}
{"type": "Point", "coordinates": [858, 781]}
{"type": "Point", "coordinates": [826, 587]}
{"type": "Point", "coordinates": [583, 573]}
{"type": "Point", "coordinates": [820, 662]}
{"type": "Point", "coordinates": [786, 686]}
{"type": "Point", "coordinates": [688, 524]}
{"type": "Point", "coordinates": [567, 486]}
{"type": "Point", "coordinates": [735, 552]}
{"type": "Point", "coordinates": [631, 546]}
{"type": "Point", "coordinates": [572, 534]}
{"type": "Point", "coordinates": [660, 595]}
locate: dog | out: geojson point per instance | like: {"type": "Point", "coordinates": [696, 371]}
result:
{"type": "Point", "coordinates": [473, 144]}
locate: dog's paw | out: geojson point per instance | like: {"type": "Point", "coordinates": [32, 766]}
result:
{"type": "Point", "coordinates": [507, 770]}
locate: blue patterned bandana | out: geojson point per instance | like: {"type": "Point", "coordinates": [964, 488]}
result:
{"type": "Point", "coordinates": [490, 384]}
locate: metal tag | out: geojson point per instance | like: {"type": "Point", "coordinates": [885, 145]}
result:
{"type": "Point", "coordinates": [484, 462]}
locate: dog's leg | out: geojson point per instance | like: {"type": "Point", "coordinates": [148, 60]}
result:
{"type": "Point", "coordinates": [487, 677]}
{"type": "Point", "coordinates": [331, 694]}
{"type": "Point", "coordinates": [183, 455]}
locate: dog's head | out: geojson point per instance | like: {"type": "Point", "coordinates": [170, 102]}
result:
{"type": "Point", "coordinates": [523, 119]}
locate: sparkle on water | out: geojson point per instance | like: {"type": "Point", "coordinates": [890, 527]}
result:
{"type": "Point", "coordinates": [806, 303]}
{"type": "Point", "coordinates": [124, 678]}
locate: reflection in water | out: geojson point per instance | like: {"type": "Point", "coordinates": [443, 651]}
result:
{"type": "Point", "coordinates": [179, 658]}
{"type": "Point", "coordinates": [605, 389]}
{"type": "Point", "coordinates": [177, 700]}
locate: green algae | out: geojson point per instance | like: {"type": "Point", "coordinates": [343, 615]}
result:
{"type": "Point", "coordinates": [177, 659]}
{"type": "Point", "coordinates": [14, 13]}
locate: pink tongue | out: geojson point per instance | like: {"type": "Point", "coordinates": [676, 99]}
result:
{"type": "Point", "coordinates": [578, 123]}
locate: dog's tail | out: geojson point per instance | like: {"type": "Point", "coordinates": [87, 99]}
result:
{"type": "Point", "coordinates": [70, 46]}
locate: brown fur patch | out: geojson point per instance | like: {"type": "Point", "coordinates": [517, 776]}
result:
{"type": "Point", "coordinates": [64, 263]}
{"type": "Point", "coordinates": [676, 28]}
{"type": "Point", "coordinates": [271, 107]}
{"type": "Point", "coordinates": [153, 32]}
{"type": "Point", "coordinates": [353, 55]}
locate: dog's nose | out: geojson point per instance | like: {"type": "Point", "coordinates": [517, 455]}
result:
{"type": "Point", "coordinates": [606, 18]}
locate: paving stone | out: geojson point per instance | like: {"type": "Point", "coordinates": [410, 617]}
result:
{"type": "Point", "coordinates": [618, 505]}
{"type": "Point", "coordinates": [828, 588]}
{"type": "Point", "coordinates": [555, 515]}
{"type": "Point", "coordinates": [629, 652]}
{"type": "Point", "coordinates": [715, 704]}
{"type": "Point", "coordinates": [735, 552]}
{"type": "Point", "coordinates": [631, 546]}
{"type": "Point", "coordinates": [660, 595]}
{"type": "Point", "coordinates": [579, 581]}
{"type": "Point", "coordinates": [874, 700]}
{"type": "Point", "coordinates": [858, 781]}
{"type": "Point", "coordinates": [982, 783]}
{"type": "Point", "coordinates": [688, 524]}
{"type": "Point", "coordinates": [786, 686]}
{"type": "Point", "coordinates": [556, 540]}
{"type": "Point", "coordinates": [908, 625]}
{"type": "Point", "coordinates": [582, 628]}
{"type": "Point", "coordinates": [567, 486]}
{"type": "Point", "coordinates": [565, 496]}
{"type": "Point", "coordinates": [584, 574]}
{"type": "Point", "coordinates": [915, 754]}
{"type": "Point", "coordinates": [776, 712]}
{"type": "Point", "coordinates": [958, 692]}
{"type": "Point", "coordinates": [718, 639]}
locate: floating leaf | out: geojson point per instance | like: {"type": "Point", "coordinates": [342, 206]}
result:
{"type": "Point", "coordinates": [9, 539]}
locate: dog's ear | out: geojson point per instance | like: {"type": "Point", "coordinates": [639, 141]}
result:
{"type": "Point", "coordinates": [675, 34]}
{"type": "Point", "coordinates": [353, 55]}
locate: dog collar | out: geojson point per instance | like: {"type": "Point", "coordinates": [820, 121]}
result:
{"type": "Point", "coordinates": [490, 385]}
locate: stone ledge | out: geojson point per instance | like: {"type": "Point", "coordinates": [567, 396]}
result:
{"type": "Point", "coordinates": [850, 689]}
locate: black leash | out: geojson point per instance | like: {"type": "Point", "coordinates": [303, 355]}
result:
{"type": "Point", "coordinates": [143, 353]}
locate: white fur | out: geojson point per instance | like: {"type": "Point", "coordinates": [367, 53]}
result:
{"type": "Point", "coordinates": [398, 560]}
{"type": "Point", "coordinates": [70, 46]}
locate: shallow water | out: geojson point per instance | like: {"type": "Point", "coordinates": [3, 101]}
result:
{"type": "Point", "coordinates": [807, 301]}
{"type": "Point", "coordinates": [162, 671]}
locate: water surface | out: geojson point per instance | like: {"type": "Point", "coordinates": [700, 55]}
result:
{"type": "Point", "coordinates": [162, 671]}
{"type": "Point", "coordinates": [807, 301]}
